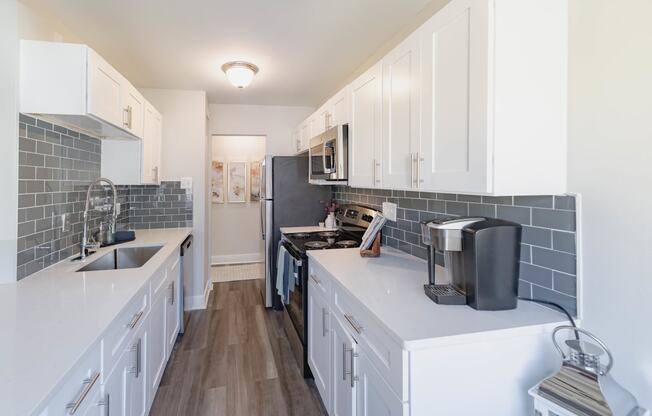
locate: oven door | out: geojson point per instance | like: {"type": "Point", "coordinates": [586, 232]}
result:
{"type": "Point", "coordinates": [296, 306]}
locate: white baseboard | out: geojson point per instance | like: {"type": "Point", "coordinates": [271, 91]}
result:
{"type": "Point", "coordinates": [193, 303]}
{"type": "Point", "coordinates": [237, 258]}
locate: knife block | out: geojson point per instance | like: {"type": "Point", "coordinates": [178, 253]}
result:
{"type": "Point", "coordinates": [374, 251]}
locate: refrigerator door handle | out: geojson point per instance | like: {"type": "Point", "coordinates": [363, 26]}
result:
{"type": "Point", "coordinates": [262, 218]}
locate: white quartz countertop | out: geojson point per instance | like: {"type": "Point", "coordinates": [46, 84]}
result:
{"type": "Point", "coordinates": [308, 229]}
{"type": "Point", "coordinates": [391, 289]}
{"type": "Point", "coordinates": [50, 319]}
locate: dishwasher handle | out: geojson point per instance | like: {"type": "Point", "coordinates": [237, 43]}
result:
{"type": "Point", "coordinates": [185, 246]}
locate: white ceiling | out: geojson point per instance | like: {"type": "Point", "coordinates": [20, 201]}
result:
{"type": "Point", "coordinates": [305, 48]}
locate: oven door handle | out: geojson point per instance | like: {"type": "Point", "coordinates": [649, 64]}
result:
{"type": "Point", "coordinates": [292, 253]}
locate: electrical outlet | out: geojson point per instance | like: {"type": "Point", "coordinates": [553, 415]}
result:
{"type": "Point", "coordinates": [389, 211]}
{"type": "Point", "coordinates": [186, 183]}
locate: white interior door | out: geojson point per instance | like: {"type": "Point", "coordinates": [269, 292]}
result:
{"type": "Point", "coordinates": [365, 129]}
{"type": "Point", "coordinates": [401, 114]}
{"type": "Point", "coordinates": [454, 134]}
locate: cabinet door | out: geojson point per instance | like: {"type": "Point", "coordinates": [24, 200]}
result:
{"type": "Point", "coordinates": [374, 397]}
{"type": "Point", "coordinates": [152, 136]}
{"type": "Point", "coordinates": [157, 343]}
{"type": "Point", "coordinates": [172, 308]}
{"type": "Point", "coordinates": [344, 350]}
{"type": "Point", "coordinates": [115, 386]}
{"type": "Point", "coordinates": [365, 129]}
{"type": "Point", "coordinates": [133, 106]}
{"type": "Point", "coordinates": [339, 108]}
{"type": "Point", "coordinates": [401, 114]}
{"type": "Point", "coordinates": [305, 135]}
{"type": "Point", "coordinates": [104, 90]}
{"type": "Point", "coordinates": [296, 140]}
{"type": "Point", "coordinates": [319, 355]}
{"type": "Point", "coordinates": [454, 137]}
{"type": "Point", "coordinates": [136, 380]}
{"type": "Point", "coordinates": [323, 120]}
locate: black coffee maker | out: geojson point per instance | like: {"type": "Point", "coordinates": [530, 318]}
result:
{"type": "Point", "coordinates": [481, 259]}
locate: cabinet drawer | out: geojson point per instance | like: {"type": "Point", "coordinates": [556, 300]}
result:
{"type": "Point", "coordinates": [80, 388]}
{"type": "Point", "coordinates": [122, 329]}
{"type": "Point", "coordinates": [386, 354]}
{"type": "Point", "coordinates": [320, 281]}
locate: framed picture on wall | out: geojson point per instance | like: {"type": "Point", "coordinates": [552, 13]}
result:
{"type": "Point", "coordinates": [237, 185]}
{"type": "Point", "coordinates": [254, 178]}
{"type": "Point", "coordinates": [217, 182]}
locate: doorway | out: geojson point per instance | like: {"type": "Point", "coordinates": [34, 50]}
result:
{"type": "Point", "coordinates": [237, 245]}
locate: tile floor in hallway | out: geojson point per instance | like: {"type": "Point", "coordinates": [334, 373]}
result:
{"type": "Point", "coordinates": [235, 360]}
{"type": "Point", "coordinates": [234, 272]}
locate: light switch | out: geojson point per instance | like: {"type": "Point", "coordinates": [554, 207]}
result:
{"type": "Point", "coordinates": [389, 211]}
{"type": "Point", "coordinates": [186, 183]}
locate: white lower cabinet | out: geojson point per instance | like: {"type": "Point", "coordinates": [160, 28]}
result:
{"type": "Point", "coordinates": [158, 342]}
{"type": "Point", "coordinates": [319, 355]}
{"type": "Point", "coordinates": [125, 389]}
{"type": "Point", "coordinates": [339, 353]}
{"type": "Point", "coordinates": [345, 374]}
{"type": "Point", "coordinates": [171, 307]}
{"type": "Point", "coordinates": [120, 375]}
{"type": "Point", "coordinates": [374, 396]}
{"type": "Point", "coordinates": [115, 386]}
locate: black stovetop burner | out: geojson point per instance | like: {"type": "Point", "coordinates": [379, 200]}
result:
{"type": "Point", "coordinates": [324, 240]}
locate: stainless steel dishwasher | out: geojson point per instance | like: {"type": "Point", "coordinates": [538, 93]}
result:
{"type": "Point", "coordinates": [186, 276]}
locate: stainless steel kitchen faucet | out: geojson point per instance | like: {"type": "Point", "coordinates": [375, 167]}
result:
{"type": "Point", "coordinates": [85, 244]}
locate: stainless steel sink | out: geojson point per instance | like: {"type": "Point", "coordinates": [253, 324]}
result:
{"type": "Point", "coordinates": [122, 258]}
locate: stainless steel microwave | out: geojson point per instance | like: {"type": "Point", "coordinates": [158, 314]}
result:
{"type": "Point", "coordinates": [329, 156]}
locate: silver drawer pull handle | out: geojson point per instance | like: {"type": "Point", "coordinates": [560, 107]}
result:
{"type": "Point", "coordinates": [88, 385]}
{"type": "Point", "coordinates": [315, 279]}
{"type": "Point", "coordinates": [134, 320]}
{"type": "Point", "coordinates": [324, 314]}
{"type": "Point", "coordinates": [354, 377]}
{"type": "Point", "coordinates": [106, 402]}
{"type": "Point", "coordinates": [136, 348]}
{"type": "Point", "coordinates": [171, 288]}
{"type": "Point", "coordinates": [358, 328]}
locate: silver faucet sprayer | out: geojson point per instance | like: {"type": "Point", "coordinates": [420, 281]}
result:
{"type": "Point", "coordinates": [85, 244]}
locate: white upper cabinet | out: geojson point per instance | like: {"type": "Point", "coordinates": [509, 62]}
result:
{"type": "Point", "coordinates": [494, 97]}
{"type": "Point", "coordinates": [339, 108]}
{"type": "Point", "coordinates": [133, 110]}
{"type": "Point", "coordinates": [365, 129]}
{"type": "Point", "coordinates": [70, 84]}
{"type": "Point", "coordinates": [400, 114]}
{"type": "Point", "coordinates": [152, 143]}
{"type": "Point", "coordinates": [105, 89]}
{"type": "Point", "coordinates": [136, 162]}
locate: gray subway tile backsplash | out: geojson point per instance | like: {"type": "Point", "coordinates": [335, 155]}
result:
{"type": "Point", "coordinates": [56, 165]}
{"type": "Point", "coordinates": [548, 245]}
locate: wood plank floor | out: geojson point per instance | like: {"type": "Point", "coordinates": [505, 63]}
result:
{"type": "Point", "coordinates": [233, 360]}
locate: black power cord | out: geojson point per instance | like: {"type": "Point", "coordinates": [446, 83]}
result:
{"type": "Point", "coordinates": [559, 307]}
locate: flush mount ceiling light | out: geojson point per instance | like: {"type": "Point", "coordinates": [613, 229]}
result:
{"type": "Point", "coordinates": [240, 73]}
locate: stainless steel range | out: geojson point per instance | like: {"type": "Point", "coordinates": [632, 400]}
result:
{"type": "Point", "coordinates": [352, 222]}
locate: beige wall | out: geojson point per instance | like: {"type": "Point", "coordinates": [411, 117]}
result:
{"type": "Point", "coordinates": [184, 154]}
{"type": "Point", "coordinates": [37, 24]}
{"type": "Point", "coordinates": [274, 122]}
{"type": "Point", "coordinates": [236, 233]}
{"type": "Point", "coordinates": [610, 164]}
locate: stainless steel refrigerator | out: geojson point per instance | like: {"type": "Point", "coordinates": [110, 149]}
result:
{"type": "Point", "coordinates": [287, 200]}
